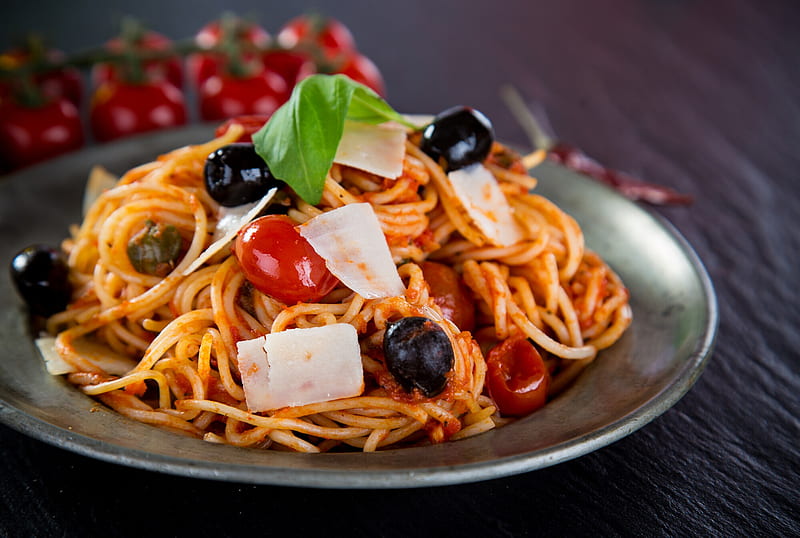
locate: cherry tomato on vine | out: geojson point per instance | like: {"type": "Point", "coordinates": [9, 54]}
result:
{"type": "Point", "coordinates": [293, 66]}
{"type": "Point", "coordinates": [226, 96]}
{"type": "Point", "coordinates": [29, 134]}
{"type": "Point", "coordinates": [64, 82]}
{"type": "Point", "coordinates": [450, 294]}
{"type": "Point", "coordinates": [53, 83]}
{"type": "Point", "coordinates": [329, 36]}
{"type": "Point", "coordinates": [246, 31]}
{"type": "Point", "coordinates": [278, 261]}
{"type": "Point", "coordinates": [119, 109]}
{"type": "Point", "coordinates": [251, 124]}
{"type": "Point", "coordinates": [361, 69]}
{"type": "Point", "coordinates": [244, 34]}
{"type": "Point", "coordinates": [141, 42]}
{"type": "Point", "coordinates": [516, 377]}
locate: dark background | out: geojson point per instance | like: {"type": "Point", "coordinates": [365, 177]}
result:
{"type": "Point", "coordinates": [701, 96]}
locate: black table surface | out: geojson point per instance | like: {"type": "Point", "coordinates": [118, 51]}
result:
{"type": "Point", "coordinates": [700, 96]}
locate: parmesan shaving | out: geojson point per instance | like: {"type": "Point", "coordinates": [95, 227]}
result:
{"type": "Point", "coordinates": [300, 367]}
{"type": "Point", "coordinates": [377, 149]}
{"type": "Point", "coordinates": [233, 226]}
{"type": "Point", "coordinates": [351, 242]}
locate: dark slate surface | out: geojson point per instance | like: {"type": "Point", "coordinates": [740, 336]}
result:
{"type": "Point", "coordinates": [700, 96]}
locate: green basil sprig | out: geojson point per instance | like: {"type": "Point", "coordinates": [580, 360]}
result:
{"type": "Point", "coordinates": [299, 141]}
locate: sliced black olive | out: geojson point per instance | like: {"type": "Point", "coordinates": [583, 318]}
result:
{"type": "Point", "coordinates": [41, 276]}
{"type": "Point", "coordinates": [418, 354]}
{"type": "Point", "coordinates": [461, 136]}
{"type": "Point", "coordinates": [235, 175]}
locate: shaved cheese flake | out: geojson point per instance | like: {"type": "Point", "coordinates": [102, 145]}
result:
{"type": "Point", "coordinates": [100, 355]}
{"type": "Point", "coordinates": [378, 149]}
{"type": "Point", "coordinates": [235, 223]}
{"type": "Point", "coordinates": [254, 370]}
{"type": "Point", "coordinates": [351, 242]}
{"type": "Point", "coordinates": [52, 360]}
{"type": "Point", "coordinates": [486, 205]}
{"type": "Point", "coordinates": [100, 180]}
{"type": "Point", "coordinates": [230, 219]}
{"type": "Point", "coordinates": [300, 367]}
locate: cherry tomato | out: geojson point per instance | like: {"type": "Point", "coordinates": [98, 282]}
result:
{"type": "Point", "coordinates": [65, 82]}
{"type": "Point", "coordinates": [54, 83]}
{"type": "Point", "coordinates": [246, 31]}
{"type": "Point", "coordinates": [32, 134]}
{"type": "Point", "coordinates": [450, 294]}
{"type": "Point", "coordinates": [278, 261]}
{"type": "Point", "coordinates": [119, 109]}
{"type": "Point", "coordinates": [225, 96]}
{"type": "Point", "coordinates": [361, 69]}
{"type": "Point", "coordinates": [251, 124]}
{"type": "Point", "coordinates": [203, 65]}
{"type": "Point", "coordinates": [516, 377]}
{"type": "Point", "coordinates": [293, 66]}
{"type": "Point", "coordinates": [142, 42]}
{"type": "Point", "coordinates": [329, 36]}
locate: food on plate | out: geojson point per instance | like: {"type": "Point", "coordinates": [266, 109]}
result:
{"type": "Point", "coordinates": [375, 284]}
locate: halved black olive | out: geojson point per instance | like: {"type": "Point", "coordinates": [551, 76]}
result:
{"type": "Point", "coordinates": [418, 354]}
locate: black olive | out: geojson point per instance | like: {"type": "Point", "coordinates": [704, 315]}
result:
{"type": "Point", "coordinates": [460, 135]}
{"type": "Point", "coordinates": [235, 175]}
{"type": "Point", "coordinates": [41, 276]}
{"type": "Point", "coordinates": [418, 354]}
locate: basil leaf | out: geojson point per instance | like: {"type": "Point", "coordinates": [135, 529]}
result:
{"type": "Point", "coordinates": [299, 141]}
{"type": "Point", "coordinates": [367, 106]}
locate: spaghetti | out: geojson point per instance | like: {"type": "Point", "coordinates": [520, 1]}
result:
{"type": "Point", "coordinates": [174, 335]}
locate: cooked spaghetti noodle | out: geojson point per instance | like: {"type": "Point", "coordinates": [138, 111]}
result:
{"type": "Point", "coordinates": [172, 339]}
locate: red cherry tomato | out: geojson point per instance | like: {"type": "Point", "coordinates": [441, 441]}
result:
{"type": "Point", "coordinates": [450, 294]}
{"type": "Point", "coordinates": [33, 134]}
{"type": "Point", "coordinates": [329, 36]}
{"type": "Point", "coordinates": [64, 82]}
{"type": "Point", "coordinates": [203, 65]}
{"type": "Point", "coordinates": [251, 125]}
{"type": "Point", "coordinates": [278, 261]}
{"type": "Point", "coordinates": [120, 109]}
{"type": "Point", "coordinates": [248, 32]}
{"type": "Point", "coordinates": [168, 68]}
{"type": "Point", "coordinates": [293, 66]}
{"type": "Point", "coordinates": [361, 69]}
{"type": "Point", "coordinates": [516, 377]}
{"type": "Point", "coordinates": [61, 82]}
{"type": "Point", "coordinates": [223, 96]}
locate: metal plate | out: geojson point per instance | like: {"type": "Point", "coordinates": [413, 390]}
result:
{"type": "Point", "coordinates": [643, 375]}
